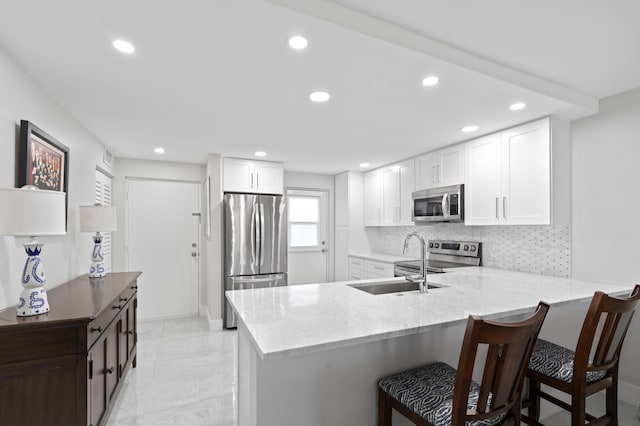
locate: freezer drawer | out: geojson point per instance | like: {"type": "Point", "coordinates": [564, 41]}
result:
{"type": "Point", "coordinates": [248, 282]}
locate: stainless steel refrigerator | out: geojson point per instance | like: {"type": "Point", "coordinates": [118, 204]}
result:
{"type": "Point", "coordinates": [255, 245]}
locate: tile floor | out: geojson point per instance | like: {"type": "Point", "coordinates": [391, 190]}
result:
{"type": "Point", "coordinates": [186, 375]}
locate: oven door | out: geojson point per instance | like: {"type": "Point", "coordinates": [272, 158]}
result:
{"type": "Point", "coordinates": [438, 205]}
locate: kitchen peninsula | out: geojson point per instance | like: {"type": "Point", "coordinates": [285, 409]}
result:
{"type": "Point", "coordinates": [312, 354]}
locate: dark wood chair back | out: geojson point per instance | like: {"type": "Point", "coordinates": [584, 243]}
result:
{"type": "Point", "coordinates": [508, 353]}
{"type": "Point", "coordinates": [603, 332]}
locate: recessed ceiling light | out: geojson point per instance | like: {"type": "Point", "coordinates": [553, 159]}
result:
{"type": "Point", "coordinates": [517, 106]}
{"type": "Point", "coordinates": [298, 43]}
{"type": "Point", "coordinates": [159, 150]}
{"type": "Point", "coordinates": [364, 164]}
{"type": "Point", "coordinates": [468, 129]}
{"type": "Point", "coordinates": [260, 154]}
{"type": "Point", "coordinates": [430, 81]}
{"type": "Point", "coordinates": [319, 96]}
{"type": "Point", "coordinates": [124, 46]}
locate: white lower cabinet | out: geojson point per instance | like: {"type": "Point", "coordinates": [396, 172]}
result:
{"type": "Point", "coordinates": [508, 177]}
{"type": "Point", "coordinates": [362, 269]}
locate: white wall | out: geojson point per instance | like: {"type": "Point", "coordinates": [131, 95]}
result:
{"type": "Point", "coordinates": [295, 180]}
{"type": "Point", "coordinates": [606, 204]}
{"type": "Point", "coordinates": [214, 278]}
{"type": "Point", "coordinates": [67, 256]}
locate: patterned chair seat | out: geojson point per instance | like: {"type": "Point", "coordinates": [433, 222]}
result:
{"type": "Point", "coordinates": [428, 392]}
{"type": "Point", "coordinates": [557, 361]}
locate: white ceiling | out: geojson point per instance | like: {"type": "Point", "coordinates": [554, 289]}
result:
{"type": "Point", "coordinates": [218, 77]}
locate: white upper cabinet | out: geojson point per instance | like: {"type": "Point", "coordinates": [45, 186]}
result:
{"type": "Point", "coordinates": [440, 168]}
{"type": "Point", "coordinates": [508, 177]}
{"type": "Point", "coordinates": [388, 195]}
{"type": "Point", "coordinates": [261, 177]}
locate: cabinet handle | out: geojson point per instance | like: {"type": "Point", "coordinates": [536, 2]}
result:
{"type": "Point", "coordinates": [379, 268]}
{"type": "Point", "coordinates": [134, 287]}
{"type": "Point", "coordinates": [438, 173]}
{"type": "Point", "coordinates": [504, 207]}
{"type": "Point", "coordinates": [96, 329]}
{"type": "Point", "coordinates": [497, 201]}
{"type": "Point", "coordinates": [257, 181]}
{"type": "Point", "coordinates": [129, 332]}
{"type": "Point", "coordinates": [123, 299]}
{"type": "Point", "coordinates": [110, 370]}
{"type": "Point", "coordinates": [117, 307]}
{"type": "Point", "coordinates": [251, 180]}
{"type": "Point", "coordinates": [433, 174]}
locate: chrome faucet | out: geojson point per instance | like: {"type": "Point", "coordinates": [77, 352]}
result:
{"type": "Point", "coordinates": [422, 280]}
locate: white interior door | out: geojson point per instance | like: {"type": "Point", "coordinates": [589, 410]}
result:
{"type": "Point", "coordinates": [307, 217]}
{"type": "Point", "coordinates": [163, 243]}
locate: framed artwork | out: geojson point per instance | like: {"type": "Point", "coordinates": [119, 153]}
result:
{"type": "Point", "coordinates": [43, 161]}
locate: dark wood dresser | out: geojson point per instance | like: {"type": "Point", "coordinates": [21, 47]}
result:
{"type": "Point", "coordinates": [66, 367]}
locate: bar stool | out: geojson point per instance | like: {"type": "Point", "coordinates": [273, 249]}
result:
{"type": "Point", "coordinates": [590, 368]}
{"type": "Point", "coordinates": [436, 394]}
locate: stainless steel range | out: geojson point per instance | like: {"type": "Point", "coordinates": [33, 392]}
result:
{"type": "Point", "coordinates": [443, 255]}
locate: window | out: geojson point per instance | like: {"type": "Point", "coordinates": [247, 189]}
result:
{"type": "Point", "coordinates": [103, 196]}
{"type": "Point", "coordinates": [304, 221]}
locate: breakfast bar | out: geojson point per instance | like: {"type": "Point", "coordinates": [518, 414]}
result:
{"type": "Point", "coordinates": [312, 354]}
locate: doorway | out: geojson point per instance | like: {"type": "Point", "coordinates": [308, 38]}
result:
{"type": "Point", "coordinates": [163, 241]}
{"type": "Point", "coordinates": [308, 244]}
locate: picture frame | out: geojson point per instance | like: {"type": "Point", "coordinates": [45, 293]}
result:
{"type": "Point", "coordinates": [43, 161]}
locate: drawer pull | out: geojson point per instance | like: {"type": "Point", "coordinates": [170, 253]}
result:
{"type": "Point", "coordinates": [117, 307]}
{"type": "Point", "coordinates": [123, 299]}
{"type": "Point", "coordinates": [130, 332]}
{"type": "Point", "coordinates": [96, 329]}
{"type": "Point", "coordinates": [110, 370]}
{"type": "Point", "coordinates": [134, 287]}
{"type": "Point", "coordinates": [379, 268]}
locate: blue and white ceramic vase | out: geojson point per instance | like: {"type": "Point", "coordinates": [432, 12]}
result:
{"type": "Point", "coordinates": [33, 299]}
{"type": "Point", "coordinates": [97, 260]}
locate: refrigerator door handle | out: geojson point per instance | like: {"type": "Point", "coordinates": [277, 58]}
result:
{"type": "Point", "coordinates": [244, 280]}
{"type": "Point", "coordinates": [261, 242]}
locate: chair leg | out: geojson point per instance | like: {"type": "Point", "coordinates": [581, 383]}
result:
{"type": "Point", "coordinates": [534, 397]}
{"type": "Point", "coordinates": [578, 410]}
{"type": "Point", "coordinates": [384, 409]}
{"type": "Point", "coordinates": [612, 399]}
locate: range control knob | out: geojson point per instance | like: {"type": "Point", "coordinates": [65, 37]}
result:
{"type": "Point", "coordinates": [466, 247]}
{"type": "Point", "coordinates": [430, 245]}
{"type": "Point", "coordinates": [437, 245]}
{"type": "Point", "coordinates": [473, 248]}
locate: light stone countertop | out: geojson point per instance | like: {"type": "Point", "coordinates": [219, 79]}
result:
{"type": "Point", "coordinates": [382, 257]}
{"type": "Point", "coordinates": [286, 321]}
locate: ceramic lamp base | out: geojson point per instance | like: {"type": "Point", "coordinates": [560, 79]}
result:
{"type": "Point", "coordinates": [97, 260]}
{"type": "Point", "coordinates": [33, 301]}
{"type": "Point", "coordinates": [97, 270]}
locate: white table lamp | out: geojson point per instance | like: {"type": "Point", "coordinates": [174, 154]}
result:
{"type": "Point", "coordinates": [97, 219]}
{"type": "Point", "coordinates": [32, 212]}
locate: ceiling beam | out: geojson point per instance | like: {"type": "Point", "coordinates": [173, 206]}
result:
{"type": "Point", "coordinates": [377, 27]}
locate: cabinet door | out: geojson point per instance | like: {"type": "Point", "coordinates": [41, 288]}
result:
{"type": "Point", "coordinates": [526, 181]}
{"type": "Point", "coordinates": [269, 177]}
{"type": "Point", "coordinates": [407, 186]}
{"type": "Point", "coordinates": [372, 198]}
{"type": "Point", "coordinates": [238, 175]}
{"type": "Point", "coordinates": [450, 168]}
{"type": "Point", "coordinates": [483, 188]}
{"type": "Point", "coordinates": [390, 178]}
{"type": "Point", "coordinates": [97, 382]}
{"type": "Point", "coordinates": [112, 350]}
{"type": "Point", "coordinates": [425, 170]}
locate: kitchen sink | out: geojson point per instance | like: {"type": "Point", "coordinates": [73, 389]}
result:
{"type": "Point", "coordinates": [387, 287]}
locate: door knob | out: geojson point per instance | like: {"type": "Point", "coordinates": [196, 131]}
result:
{"type": "Point", "coordinates": [194, 254]}
{"type": "Point", "coordinates": [324, 250]}
{"type": "Point", "coordinates": [194, 245]}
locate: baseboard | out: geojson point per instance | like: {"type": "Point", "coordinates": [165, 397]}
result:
{"type": "Point", "coordinates": [215, 324]}
{"type": "Point", "coordinates": [629, 393]}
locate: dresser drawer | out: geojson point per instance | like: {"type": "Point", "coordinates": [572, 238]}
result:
{"type": "Point", "coordinates": [36, 343]}
{"type": "Point", "coordinates": [382, 269]}
{"type": "Point", "coordinates": [100, 324]}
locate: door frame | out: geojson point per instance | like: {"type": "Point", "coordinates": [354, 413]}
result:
{"type": "Point", "coordinates": [328, 225]}
{"type": "Point", "coordinates": [127, 180]}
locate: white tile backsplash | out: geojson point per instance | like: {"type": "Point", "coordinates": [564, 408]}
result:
{"type": "Point", "coordinates": [538, 249]}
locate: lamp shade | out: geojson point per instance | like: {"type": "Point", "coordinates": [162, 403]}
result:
{"type": "Point", "coordinates": [98, 219]}
{"type": "Point", "coordinates": [30, 212]}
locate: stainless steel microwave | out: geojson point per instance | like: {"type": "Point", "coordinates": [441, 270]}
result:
{"type": "Point", "coordinates": [444, 204]}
